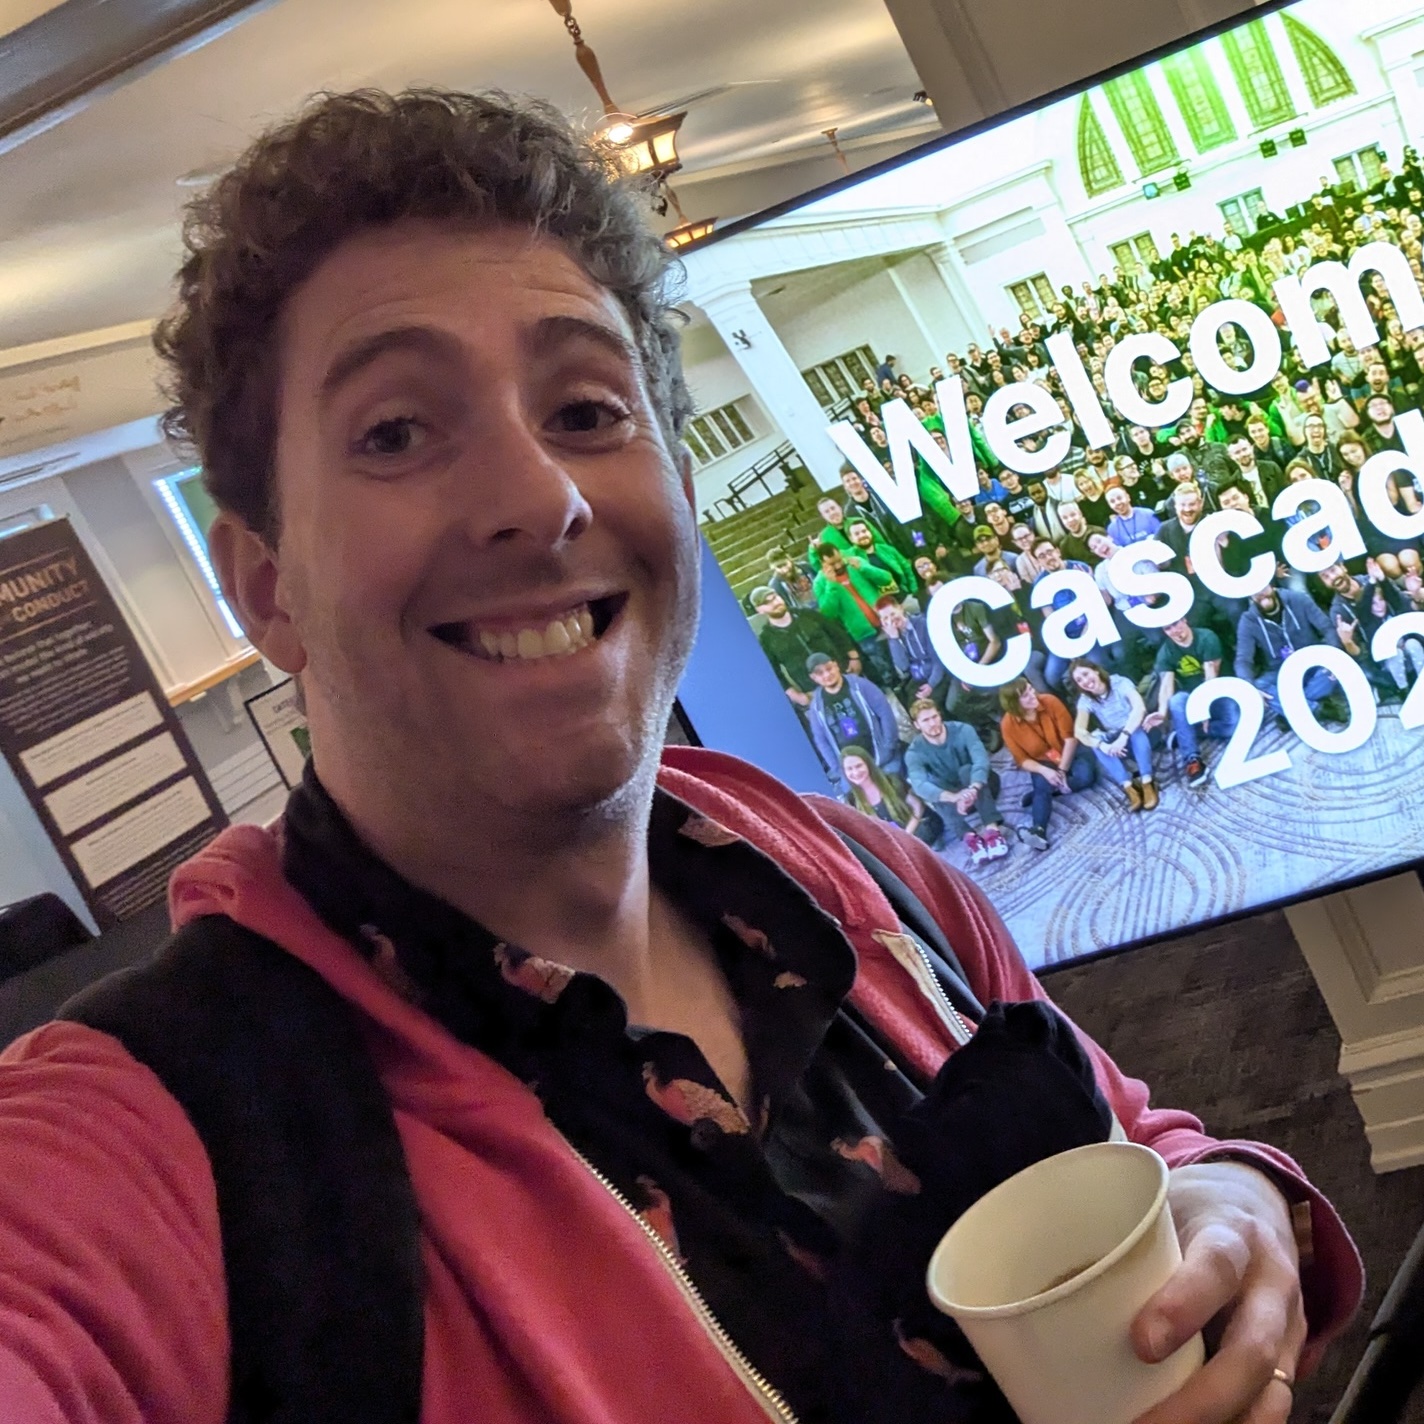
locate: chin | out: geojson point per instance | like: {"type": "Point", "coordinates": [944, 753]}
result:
{"type": "Point", "coordinates": [602, 777]}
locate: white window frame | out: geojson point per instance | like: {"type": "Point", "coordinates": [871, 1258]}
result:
{"type": "Point", "coordinates": [149, 469]}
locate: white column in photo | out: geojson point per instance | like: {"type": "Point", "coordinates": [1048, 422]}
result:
{"type": "Point", "coordinates": [774, 376]}
{"type": "Point", "coordinates": [1365, 948]}
{"type": "Point", "coordinates": [1399, 44]}
{"type": "Point", "coordinates": [955, 275]}
{"type": "Point", "coordinates": [938, 342]}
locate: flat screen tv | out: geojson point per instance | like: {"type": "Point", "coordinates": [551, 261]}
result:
{"type": "Point", "coordinates": [1063, 484]}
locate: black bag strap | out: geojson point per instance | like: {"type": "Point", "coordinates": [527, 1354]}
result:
{"type": "Point", "coordinates": [320, 1229]}
{"type": "Point", "coordinates": [916, 920]}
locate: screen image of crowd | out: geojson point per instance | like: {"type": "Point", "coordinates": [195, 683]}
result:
{"type": "Point", "coordinates": [1083, 795]}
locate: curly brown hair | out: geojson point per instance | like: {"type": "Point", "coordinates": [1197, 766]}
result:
{"type": "Point", "coordinates": [352, 162]}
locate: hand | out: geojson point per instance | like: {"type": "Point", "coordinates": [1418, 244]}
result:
{"type": "Point", "coordinates": [798, 697]}
{"type": "Point", "coordinates": [964, 801]}
{"type": "Point", "coordinates": [1240, 1281]}
{"type": "Point", "coordinates": [1057, 780]}
{"type": "Point", "coordinates": [1117, 747]}
{"type": "Point", "coordinates": [1153, 720]}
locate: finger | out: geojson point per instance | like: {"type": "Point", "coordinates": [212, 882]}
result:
{"type": "Point", "coordinates": [1213, 1267]}
{"type": "Point", "coordinates": [1234, 1380]}
{"type": "Point", "coordinates": [1273, 1406]}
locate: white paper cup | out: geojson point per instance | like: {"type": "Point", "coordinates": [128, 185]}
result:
{"type": "Point", "coordinates": [1046, 1273]}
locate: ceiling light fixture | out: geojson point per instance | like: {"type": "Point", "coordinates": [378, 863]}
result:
{"type": "Point", "coordinates": [644, 146]}
{"type": "Point", "coordinates": [689, 233]}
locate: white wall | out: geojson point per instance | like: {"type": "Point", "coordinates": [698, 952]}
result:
{"type": "Point", "coordinates": [715, 379]}
{"type": "Point", "coordinates": [123, 523]}
{"type": "Point", "coordinates": [950, 328]}
{"type": "Point", "coordinates": [868, 311]}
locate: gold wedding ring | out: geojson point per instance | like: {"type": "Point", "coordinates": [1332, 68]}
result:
{"type": "Point", "coordinates": [1285, 1379]}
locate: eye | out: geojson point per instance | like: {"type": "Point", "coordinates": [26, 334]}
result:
{"type": "Point", "coordinates": [586, 417]}
{"type": "Point", "coordinates": [396, 435]}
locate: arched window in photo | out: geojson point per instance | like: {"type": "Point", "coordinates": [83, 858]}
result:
{"type": "Point", "coordinates": [1096, 160]}
{"type": "Point", "coordinates": [1142, 121]}
{"type": "Point", "coordinates": [1258, 74]}
{"type": "Point", "coordinates": [1326, 78]}
{"type": "Point", "coordinates": [1197, 95]}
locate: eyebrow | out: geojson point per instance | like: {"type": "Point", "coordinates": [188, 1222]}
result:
{"type": "Point", "coordinates": [552, 332]}
{"type": "Point", "coordinates": [418, 340]}
{"type": "Point", "coordinates": [546, 337]}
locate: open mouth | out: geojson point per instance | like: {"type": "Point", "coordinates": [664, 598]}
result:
{"type": "Point", "coordinates": [570, 632]}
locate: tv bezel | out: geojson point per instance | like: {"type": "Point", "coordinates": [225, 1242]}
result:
{"type": "Point", "coordinates": [949, 140]}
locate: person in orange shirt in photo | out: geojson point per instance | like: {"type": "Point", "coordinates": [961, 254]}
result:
{"type": "Point", "coordinates": [1038, 731]}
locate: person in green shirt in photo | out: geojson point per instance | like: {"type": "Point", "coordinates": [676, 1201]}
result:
{"type": "Point", "coordinates": [1188, 657]}
{"type": "Point", "coordinates": [880, 553]}
{"type": "Point", "coordinates": [846, 590]}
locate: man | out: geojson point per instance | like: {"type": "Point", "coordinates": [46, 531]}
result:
{"type": "Point", "coordinates": [1017, 501]}
{"type": "Point", "coordinates": [834, 531]}
{"type": "Point", "coordinates": [881, 554]}
{"type": "Point", "coordinates": [1269, 448]}
{"type": "Point", "coordinates": [1176, 532]}
{"type": "Point", "coordinates": [989, 549]}
{"type": "Point", "coordinates": [1076, 533]}
{"type": "Point", "coordinates": [948, 768]}
{"type": "Point", "coordinates": [791, 580]}
{"type": "Point", "coordinates": [790, 636]}
{"type": "Point", "coordinates": [1379, 431]}
{"type": "Point", "coordinates": [454, 505]}
{"type": "Point", "coordinates": [1180, 471]}
{"type": "Point", "coordinates": [1263, 477]}
{"type": "Point", "coordinates": [846, 590]}
{"type": "Point", "coordinates": [1356, 612]}
{"type": "Point", "coordinates": [1188, 657]}
{"type": "Point", "coordinates": [1317, 452]}
{"type": "Point", "coordinates": [1129, 524]}
{"type": "Point", "coordinates": [1051, 561]}
{"type": "Point", "coordinates": [1209, 457]}
{"type": "Point", "coordinates": [862, 502]}
{"type": "Point", "coordinates": [850, 711]}
{"type": "Point", "coordinates": [1277, 623]}
{"type": "Point", "coordinates": [907, 639]}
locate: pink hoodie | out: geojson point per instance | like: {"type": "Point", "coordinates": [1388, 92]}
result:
{"type": "Point", "coordinates": [545, 1299]}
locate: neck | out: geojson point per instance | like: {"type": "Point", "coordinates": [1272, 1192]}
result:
{"type": "Point", "coordinates": [572, 886]}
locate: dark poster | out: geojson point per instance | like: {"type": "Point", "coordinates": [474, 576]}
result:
{"type": "Point", "coordinates": [88, 731]}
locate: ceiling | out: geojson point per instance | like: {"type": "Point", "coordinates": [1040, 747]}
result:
{"type": "Point", "coordinates": [89, 225]}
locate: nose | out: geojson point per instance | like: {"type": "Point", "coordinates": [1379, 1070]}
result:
{"type": "Point", "coordinates": [519, 491]}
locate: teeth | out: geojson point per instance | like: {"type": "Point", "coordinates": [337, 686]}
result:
{"type": "Point", "coordinates": [556, 639]}
{"type": "Point", "coordinates": [562, 636]}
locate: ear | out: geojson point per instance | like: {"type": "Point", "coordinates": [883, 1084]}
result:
{"type": "Point", "coordinates": [248, 571]}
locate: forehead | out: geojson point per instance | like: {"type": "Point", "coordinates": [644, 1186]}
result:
{"type": "Point", "coordinates": [474, 285]}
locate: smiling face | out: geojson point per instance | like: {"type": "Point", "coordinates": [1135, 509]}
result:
{"type": "Point", "coordinates": [856, 770]}
{"type": "Point", "coordinates": [487, 572]}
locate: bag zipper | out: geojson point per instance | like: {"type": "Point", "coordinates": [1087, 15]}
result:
{"type": "Point", "coordinates": [770, 1399]}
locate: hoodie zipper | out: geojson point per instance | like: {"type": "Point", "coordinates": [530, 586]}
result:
{"type": "Point", "coordinates": [919, 968]}
{"type": "Point", "coordinates": [769, 1398]}
{"type": "Point", "coordinates": [959, 1026]}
